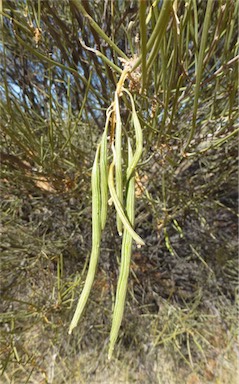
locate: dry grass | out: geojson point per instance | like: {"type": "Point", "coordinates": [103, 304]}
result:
{"type": "Point", "coordinates": [168, 336]}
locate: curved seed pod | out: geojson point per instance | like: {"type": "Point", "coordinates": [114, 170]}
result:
{"type": "Point", "coordinates": [104, 171]}
{"type": "Point", "coordinates": [126, 251]}
{"type": "Point", "coordinates": [138, 136]}
{"type": "Point", "coordinates": [118, 206]}
{"type": "Point", "coordinates": [96, 238]}
{"type": "Point", "coordinates": [118, 160]}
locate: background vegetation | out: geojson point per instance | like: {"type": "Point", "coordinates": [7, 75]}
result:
{"type": "Point", "coordinates": [60, 65]}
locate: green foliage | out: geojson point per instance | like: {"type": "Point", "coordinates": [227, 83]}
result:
{"type": "Point", "coordinates": [64, 67]}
